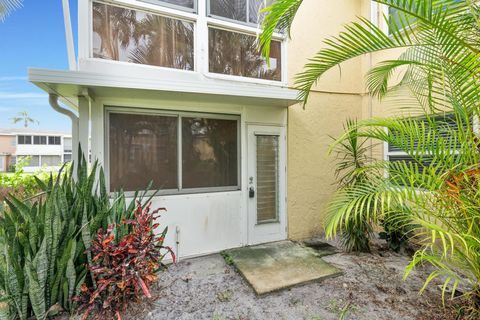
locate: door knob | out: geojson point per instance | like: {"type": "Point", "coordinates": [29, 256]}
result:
{"type": "Point", "coordinates": [251, 192]}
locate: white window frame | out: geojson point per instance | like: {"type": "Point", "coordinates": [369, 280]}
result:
{"type": "Point", "coordinates": [159, 10]}
{"type": "Point", "coordinates": [23, 156]}
{"type": "Point", "coordinates": [40, 138]}
{"type": "Point", "coordinates": [178, 114]}
{"type": "Point", "coordinates": [173, 6]}
{"type": "Point", "coordinates": [24, 144]}
{"type": "Point", "coordinates": [201, 22]}
{"type": "Point", "coordinates": [217, 17]}
{"type": "Point", "coordinates": [378, 12]}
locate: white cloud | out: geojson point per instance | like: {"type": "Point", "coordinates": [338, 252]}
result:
{"type": "Point", "coordinates": [22, 95]}
{"type": "Point", "coordinates": [13, 78]}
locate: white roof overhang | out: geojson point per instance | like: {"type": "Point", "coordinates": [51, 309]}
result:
{"type": "Point", "coordinates": [69, 85]}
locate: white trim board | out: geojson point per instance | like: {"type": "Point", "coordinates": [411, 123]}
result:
{"type": "Point", "coordinates": [73, 83]}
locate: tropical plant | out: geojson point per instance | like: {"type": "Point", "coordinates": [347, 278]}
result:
{"type": "Point", "coordinates": [7, 6]}
{"type": "Point", "coordinates": [21, 184]}
{"type": "Point", "coordinates": [124, 268]}
{"type": "Point", "coordinates": [43, 241]}
{"type": "Point", "coordinates": [435, 190]}
{"type": "Point", "coordinates": [24, 117]}
{"type": "Point", "coordinates": [352, 159]}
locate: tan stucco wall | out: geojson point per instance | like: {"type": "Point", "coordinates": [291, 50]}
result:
{"type": "Point", "coordinates": [7, 144]}
{"type": "Point", "coordinates": [338, 96]}
{"type": "Point", "coordinates": [7, 148]}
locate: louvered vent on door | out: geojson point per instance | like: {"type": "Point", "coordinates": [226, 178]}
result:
{"type": "Point", "coordinates": [267, 178]}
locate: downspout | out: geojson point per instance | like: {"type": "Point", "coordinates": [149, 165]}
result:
{"type": "Point", "coordinates": [53, 100]}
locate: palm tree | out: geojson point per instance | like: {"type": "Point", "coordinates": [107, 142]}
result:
{"type": "Point", "coordinates": [7, 6]}
{"type": "Point", "coordinates": [23, 117]}
{"type": "Point", "coordinates": [435, 191]}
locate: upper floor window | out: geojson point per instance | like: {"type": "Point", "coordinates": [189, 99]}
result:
{"type": "Point", "coordinates": [54, 140]}
{"type": "Point", "coordinates": [168, 38]}
{"type": "Point", "coordinates": [247, 11]}
{"type": "Point", "coordinates": [135, 36]}
{"type": "Point", "coordinates": [237, 54]}
{"type": "Point", "coordinates": [24, 139]}
{"type": "Point", "coordinates": [189, 5]}
{"type": "Point", "coordinates": [39, 140]}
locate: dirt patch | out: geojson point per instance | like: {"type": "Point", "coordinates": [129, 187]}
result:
{"type": "Point", "coordinates": [370, 288]}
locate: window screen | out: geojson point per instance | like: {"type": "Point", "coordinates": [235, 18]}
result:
{"type": "Point", "coordinates": [67, 144]}
{"type": "Point", "coordinates": [67, 157]}
{"type": "Point", "coordinates": [54, 140]}
{"type": "Point", "coordinates": [210, 152]}
{"type": "Point", "coordinates": [39, 140]}
{"type": "Point", "coordinates": [143, 148]}
{"type": "Point", "coordinates": [30, 161]}
{"type": "Point", "coordinates": [24, 139]}
{"type": "Point", "coordinates": [51, 161]}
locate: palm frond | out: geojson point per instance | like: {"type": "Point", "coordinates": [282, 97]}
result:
{"type": "Point", "coordinates": [279, 16]}
{"type": "Point", "coordinates": [8, 6]}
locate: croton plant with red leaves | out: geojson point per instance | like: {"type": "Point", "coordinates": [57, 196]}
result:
{"type": "Point", "coordinates": [124, 269]}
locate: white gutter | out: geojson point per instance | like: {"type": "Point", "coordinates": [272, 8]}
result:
{"type": "Point", "coordinates": [72, 63]}
{"type": "Point", "coordinates": [53, 100]}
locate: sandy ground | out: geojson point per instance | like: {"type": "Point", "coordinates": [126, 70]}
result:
{"type": "Point", "coordinates": [371, 287]}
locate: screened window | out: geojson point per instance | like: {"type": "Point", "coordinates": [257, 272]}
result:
{"type": "Point", "coordinates": [67, 157]}
{"type": "Point", "coordinates": [54, 140]}
{"type": "Point", "coordinates": [444, 125]}
{"type": "Point", "coordinates": [247, 11]}
{"type": "Point", "coordinates": [145, 148]}
{"type": "Point", "coordinates": [39, 140]}
{"type": "Point", "coordinates": [51, 161]}
{"type": "Point", "coordinates": [237, 54]}
{"type": "Point", "coordinates": [30, 161]}
{"type": "Point", "coordinates": [67, 144]}
{"type": "Point", "coordinates": [210, 153]}
{"type": "Point", "coordinates": [135, 36]}
{"type": "Point", "coordinates": [24, 139]}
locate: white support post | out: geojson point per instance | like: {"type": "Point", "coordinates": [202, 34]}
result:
{"type": "Point", "coordinates": [72, 63]}
{"type": "Point", "coordinates": [97, 141]}
{"type": "Point", "coordinates": [83, 125]}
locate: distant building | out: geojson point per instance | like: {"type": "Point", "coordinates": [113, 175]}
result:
{"type": "Point", "coordinates": [44, 149]}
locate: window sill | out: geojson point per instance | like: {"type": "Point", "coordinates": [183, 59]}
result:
{"type": "Point", "coordinates": [183, 193]}
{"type": "Point", "coordinates": [220, 76]}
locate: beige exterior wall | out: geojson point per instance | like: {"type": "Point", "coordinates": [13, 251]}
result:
{"type": "Point", "coordinates": [7, 148]}
{"type": "Point", "coordinates": [338, 96]}
{"type": "Point", "coordinates": [7, 144]}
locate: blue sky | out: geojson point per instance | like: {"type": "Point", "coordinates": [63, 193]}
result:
{"type": "Point", "coordinates": [33, 36]}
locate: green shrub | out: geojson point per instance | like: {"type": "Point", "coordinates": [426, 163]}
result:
{"type": "Point", "coordinates": [351, 154]}
{"type": "Point", "coordinates": [21, 184]}
{"type": "Point", "coordinates": [43, 241]}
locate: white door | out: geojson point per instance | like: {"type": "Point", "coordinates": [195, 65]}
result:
{"type": "Point", "coordinates": [266, 184]}
{"type": "Point", "coordinates": [2, 164]}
